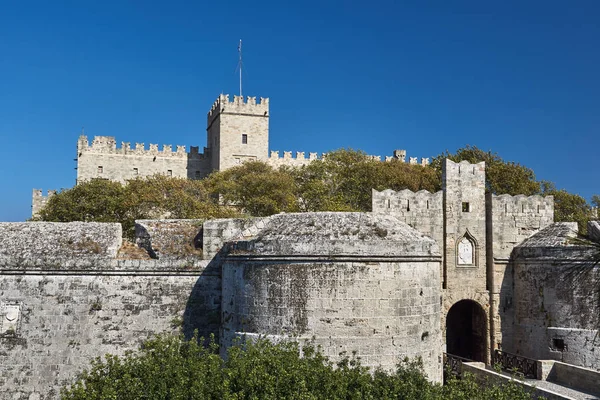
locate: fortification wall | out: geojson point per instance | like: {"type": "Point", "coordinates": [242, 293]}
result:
{"type": "Point", "coordinates": [287, 160]}
{"type": "Point", "coordinates": [510, 220]}
{"type": "Point", "coordinates": [39, 201]}
{"type": "Point", "coordinates": [217, 232]}
{"type": "Point", "coordinates": [300, 159]}
{"type": "Point", "coordinates": [102, 159]}
{"type": "Point", "coordinates": [515, 218]}
{"type": "Point", "coordinates": [353, 282]}
{"type": "Point", "coordinates": [421, 210]}
{"type": "Point", "coordinates": [170, 238]}
{"type": "Point", "coordinates": [383, 311]}
{"type": "Point", "coordinates": [67, 297]}
{"type": "Point", "coordinates": [556, 307]}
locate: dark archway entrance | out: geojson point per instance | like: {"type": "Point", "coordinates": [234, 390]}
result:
{"type": "Point", "coordinates": [466, 331]}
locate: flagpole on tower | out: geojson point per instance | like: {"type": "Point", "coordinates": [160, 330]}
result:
{"type": "Point", "coordinates": [240, 64]}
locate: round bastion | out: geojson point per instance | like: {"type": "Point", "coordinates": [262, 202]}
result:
{"type": "Point", "coordinates": [358, 283]}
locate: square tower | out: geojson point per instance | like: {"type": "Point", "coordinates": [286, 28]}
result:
{"type": "Point", "coordinates": [237, 131]}
{"type": "Point", "coordinates": [464, 226]}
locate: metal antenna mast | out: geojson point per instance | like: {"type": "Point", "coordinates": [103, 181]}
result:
{"type": "Point", "coordinates": [240, 64]}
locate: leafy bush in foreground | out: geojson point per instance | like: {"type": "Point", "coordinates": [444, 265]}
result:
{"type": "Point", "coordinates": [168, 367]}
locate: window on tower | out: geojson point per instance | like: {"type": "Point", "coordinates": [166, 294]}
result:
{"type": "Point", "coordinates": [244, 138]}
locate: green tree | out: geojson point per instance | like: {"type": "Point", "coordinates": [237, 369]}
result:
{"type": "Point", "coordinates": [343, 180]}
{"type": "Point", "coordinates": [97, 200]}
{"type": "Point", "coordinates": [256, 188]}
{"type": "Point", "coordinates": [502, 177]}
{"type": "Point", "coordinates": [569, 207]}
{"type": "Point", "coordinates": [157, 196]}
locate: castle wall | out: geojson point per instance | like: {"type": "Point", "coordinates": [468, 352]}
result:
{"type": "Point", "coordinates": [556, 305]}
{"type": "Point", "coordinates": [170, 238]}
{"type": "Point", "coordinates": [352, 282]}
{"type": "Point", "coordinates": [65, 298]}
{"type": "Point", "coordinates": [384, 311]}
{"type": "Point", "coordinates": [421, 210]}
{"type": "Point", "coordinates": [102, 159]}
{"type": "Point", "coordinates": [287, 160]}
{"type": "Point", "coordinates": [511, 220]}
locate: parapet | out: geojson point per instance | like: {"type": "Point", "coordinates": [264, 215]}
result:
{"type": "Point", "coordinates": [406, 202]}
{"type": "Point", "coordinates": [108, 145]}
{"type": "Point", "coordinates": [464, 169]}
{"type": "Point", "coordinates": [54, 244]}
{"type": "Point", "coordinates": [506, 204]}
{"type": "Point", "coordinates": [170, 238]}
{"type": "Point", "coordinates": [287, 159]}
{"type": "Point", "coordinates": [238, 106]}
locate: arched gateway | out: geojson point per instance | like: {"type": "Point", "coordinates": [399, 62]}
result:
{"type": "Point", "coordinates": [466, 330]}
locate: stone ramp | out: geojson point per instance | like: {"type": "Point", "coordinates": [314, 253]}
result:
{"type": "Point", "coordinates": [566, 391]}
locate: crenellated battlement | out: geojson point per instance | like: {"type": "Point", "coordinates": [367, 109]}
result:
{"type": "Point", "coordinates": [300, 156]}
{"type": "Point", "coordinates": [108, 145]}
{"type": "Point", "coordinates": [39, 201]}
{"type": "Point", "coordinates": [406, 202]}
{"type": "Point", "coordinates": [276, 161]}
{"type": "Point", "coordinates": [507, 205]}
{"type": "Point", "coordinates": [238, 106]}
{"type": "Point", "coordinates": [464, 169]}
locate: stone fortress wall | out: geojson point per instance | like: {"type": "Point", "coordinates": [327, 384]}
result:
{"type": "Point", "coordinates": [67, 296]}
{"type": "Point", "coordinates": [237, 131]}
{"type": "Point", "coordinates": [510, 220]}
{"type": "Point", "coordinates": [102, 159]}
{"type": "Point", "coordinates": [383, 283]}
{"type": "Point", "coordinates": [499, 269]}
{"type": "Point", "coordinates": [74, 295]}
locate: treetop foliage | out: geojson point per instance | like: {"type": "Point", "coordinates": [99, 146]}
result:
{"type": "Point", "coordinates": [169, 367]}
{"type": "Point", "coordinates": [341, 181]}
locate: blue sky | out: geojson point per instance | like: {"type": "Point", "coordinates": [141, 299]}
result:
{"type": "Point", "coordinates": [520, 78]}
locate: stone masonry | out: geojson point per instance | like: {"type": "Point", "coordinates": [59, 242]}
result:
{"type": "Point", "coordinates": [67, 297]}
{"type": "Point", "coordinates": [454, 271]}
{"type": "Point", "coordinates": [237, 131]}
{"type": "Point", "coordinates": [477, 234]}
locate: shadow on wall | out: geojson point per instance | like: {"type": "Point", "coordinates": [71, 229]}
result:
{"type": "Point", "coordinates": [550, 304]}
{"type": "Point", "coordinates": [203, 308]}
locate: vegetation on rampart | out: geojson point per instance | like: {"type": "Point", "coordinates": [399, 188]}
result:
{"type": "Point", "coordinates": [342, 181]}
{"type": "Point", "coordinates": [168, 367]}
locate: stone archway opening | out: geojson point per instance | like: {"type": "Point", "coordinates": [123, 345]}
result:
{"type": "Point", "coordinates": [466, 331]}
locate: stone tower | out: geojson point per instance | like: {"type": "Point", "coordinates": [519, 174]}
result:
{"type": "Point", "coordinates": [237, 131]}
{"type": "Point", "coordinates": [464, 225]}
{"type": "Point", "coordinates": [465, 298]}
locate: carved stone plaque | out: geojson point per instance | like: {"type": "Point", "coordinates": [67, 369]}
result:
{"type": "Point", "coordinates": [465, 252]}
{"type": "Point", "coordinates": [10, 318]}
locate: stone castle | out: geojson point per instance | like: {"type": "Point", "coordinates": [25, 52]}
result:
{"type": "Point", "coordinates": [236, 131]}
{"type": "Point", "coordinates": [458, 271]}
